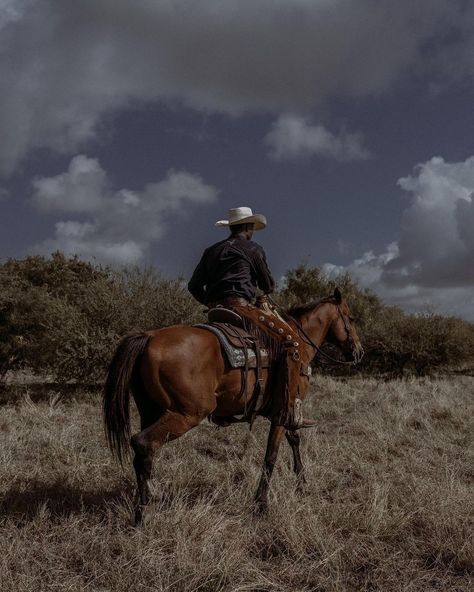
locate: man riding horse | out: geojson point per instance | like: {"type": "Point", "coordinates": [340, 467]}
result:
{"type": "Point", "coordinates": [174, 389]}
{"type": "Point", "coordinates": [229, 275]}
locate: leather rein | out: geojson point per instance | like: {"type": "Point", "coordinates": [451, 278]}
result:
{"type": "Point", "coordinates": [316, 347]}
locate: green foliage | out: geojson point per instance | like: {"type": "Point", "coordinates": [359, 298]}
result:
{"type": "Point", "coordinates": [63, 317]}
{"type": "Point", "coordinates": [306, 284]}
{"type": "Point", "coordinates": [400, 342]}
{"type": "Point", "coordinates": [303, 284]}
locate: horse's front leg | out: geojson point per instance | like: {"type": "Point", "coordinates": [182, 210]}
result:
{"type": "Point", "coordinates": [293, 438]}
{"type": "Point", "coordinates": [274, 440]}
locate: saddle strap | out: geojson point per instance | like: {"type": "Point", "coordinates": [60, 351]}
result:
{"type": "Point", "coordinates": [258, 393]}
{"type": "Point", "coordinates": [245, 370]}
{"type": "Point", "coordinates": [252, 408]}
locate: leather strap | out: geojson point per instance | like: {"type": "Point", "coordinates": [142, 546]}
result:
{"type": "Point", "coordinates": [245, 369]}
{"type": "Point", "coordinates": [258, 393]}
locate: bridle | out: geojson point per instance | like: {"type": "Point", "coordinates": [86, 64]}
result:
{"type": "Point", "coordinates": [357, 357]}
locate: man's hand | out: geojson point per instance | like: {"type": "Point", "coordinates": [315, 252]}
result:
{"type": "Point", "coordinates": [261, 301]}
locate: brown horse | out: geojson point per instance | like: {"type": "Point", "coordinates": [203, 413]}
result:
{"type": "Point", "coordinates": [178, 377]}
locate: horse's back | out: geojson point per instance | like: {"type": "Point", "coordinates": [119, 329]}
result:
{"type": "Point", "coordinates": [182, 340]}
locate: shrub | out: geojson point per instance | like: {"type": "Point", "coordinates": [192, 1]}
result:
{"type": "Point", "coordinates": [418, 343]}
{"type": "Point", "coordinates": [395, 342]}
{"type": "Point", "coordinates": [63, 317]}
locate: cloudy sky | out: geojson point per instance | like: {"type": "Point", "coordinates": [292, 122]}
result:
{"type": "Point", "coordinates": [128, 127]}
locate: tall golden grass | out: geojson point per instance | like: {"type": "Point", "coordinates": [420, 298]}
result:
{"type": "Point", "coordinates": [389, 504]}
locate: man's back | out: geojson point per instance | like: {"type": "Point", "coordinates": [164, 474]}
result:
{"type": "Point", "coordinates": [232, 267]}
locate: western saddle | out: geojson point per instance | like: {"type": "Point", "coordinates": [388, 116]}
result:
{"type": "Point", "coordinates": [241, 350]}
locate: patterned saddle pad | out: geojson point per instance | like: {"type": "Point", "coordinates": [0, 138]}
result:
{"type": "Point", "coordinates": [231, 339]}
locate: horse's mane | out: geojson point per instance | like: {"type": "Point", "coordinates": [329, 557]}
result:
{"type": "Point", "coordinates": [301, 309]}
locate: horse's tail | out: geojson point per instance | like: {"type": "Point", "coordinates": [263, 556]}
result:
{"type": "Point", "coordinates": [116, 400]}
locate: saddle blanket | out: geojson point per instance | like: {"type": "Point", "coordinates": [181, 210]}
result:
{"type": "Point", "coordinates": [236, 355]}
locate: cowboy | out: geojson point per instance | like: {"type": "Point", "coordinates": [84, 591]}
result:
{"type": "Point", "coordinates": [229, 274]}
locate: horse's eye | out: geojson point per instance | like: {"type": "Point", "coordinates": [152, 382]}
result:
{"type": "Point", "coordinates": [352, 319]}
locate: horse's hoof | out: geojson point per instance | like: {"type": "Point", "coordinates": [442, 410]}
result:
{"type": "Point", "coordinates": [138, 518]}
{"type": "Point", "coordinates": [260, 508]}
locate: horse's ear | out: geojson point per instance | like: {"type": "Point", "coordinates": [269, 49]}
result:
{"type": "Point", "coordinates": [337, 296]}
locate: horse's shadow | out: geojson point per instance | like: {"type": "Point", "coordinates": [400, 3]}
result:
{"type": "Point", "coordinates": [22, 502]}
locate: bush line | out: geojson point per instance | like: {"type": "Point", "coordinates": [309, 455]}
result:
{"type": "Point", "coordinates": [63, 317]}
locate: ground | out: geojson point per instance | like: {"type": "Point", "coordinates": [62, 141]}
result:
{"type": "Point", "coordinates": [389, 503]}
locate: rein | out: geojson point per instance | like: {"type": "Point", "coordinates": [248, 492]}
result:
{"type": "Point", "coordinates": [318, 350]}
{"type": "Point", "coordinates": [310, 342]}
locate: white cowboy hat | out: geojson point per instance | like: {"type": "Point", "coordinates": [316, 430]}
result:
{"type": "Point", "coordinates": [244, 216]}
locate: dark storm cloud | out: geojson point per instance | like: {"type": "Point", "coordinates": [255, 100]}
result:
{"type": "Point", "coordinates": [65, 64]}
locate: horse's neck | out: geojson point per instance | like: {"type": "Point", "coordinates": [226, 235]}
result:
{"type": "Point", "coordinates": [316, 323]}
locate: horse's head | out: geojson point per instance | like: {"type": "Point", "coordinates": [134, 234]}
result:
{"type": "Point", "coordinates": [341, 330]}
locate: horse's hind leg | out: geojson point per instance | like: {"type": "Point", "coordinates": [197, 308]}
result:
{"type": "Point", "coordinates": [150, 413]}
{"type": "Point", "coordinates": [169, 426]}
{"type": "Point", "coordinates": [273, 444]}
{"type": "Point", "coordinates": [294, 441]}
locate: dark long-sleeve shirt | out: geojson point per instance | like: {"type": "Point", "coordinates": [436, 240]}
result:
{"type": "Point", "coordinates": [232, 267]}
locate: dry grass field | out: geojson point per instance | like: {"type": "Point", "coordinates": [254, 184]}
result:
{"type": "Point", "coordinates": [389, 503]}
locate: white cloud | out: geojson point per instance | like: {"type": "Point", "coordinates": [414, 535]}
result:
{"type": "Point", "coordinates": [121, 224]}
{"type": "Point", "coordinates": [293, 137]}
{"type": "Point", "coordinates": [65, 64]}
{"type": "Point", "coordinates": [85, 239]}
{"type": "Point", "coordinates": [80, 189]}
{"type": "Point", "coordinates": [11, 11]}
{"type": "Point", "coordinates": [432, 264]}
{"type": "Point", "coordinates": [436, 245]}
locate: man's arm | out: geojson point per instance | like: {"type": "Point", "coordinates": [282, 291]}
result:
{"type": "Point", "coordinates": [198, 281]}
{"type": "Point", "coordinates": [265, 280]}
